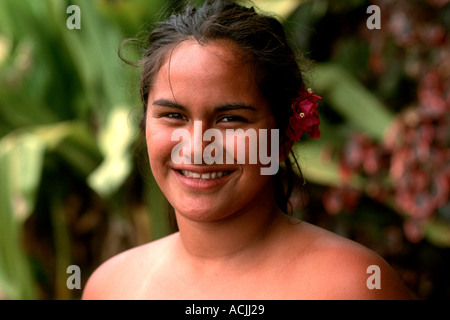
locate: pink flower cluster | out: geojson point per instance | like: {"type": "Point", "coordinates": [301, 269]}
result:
{"type": "Point", "coordinates": [305, 116]}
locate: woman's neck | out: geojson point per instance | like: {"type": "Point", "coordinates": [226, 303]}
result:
{"type": "Point", "coordinates": [239, 236]}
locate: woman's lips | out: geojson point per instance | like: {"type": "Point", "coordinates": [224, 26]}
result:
{"type": "Point", "coordinates": [203, 177]}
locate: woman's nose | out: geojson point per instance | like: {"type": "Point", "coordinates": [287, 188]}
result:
{"type": "Point", "coordinates": [201, 137]}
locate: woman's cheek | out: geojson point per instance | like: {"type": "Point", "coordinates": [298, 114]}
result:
{"type": "Point", "coordinates": [159, 144]}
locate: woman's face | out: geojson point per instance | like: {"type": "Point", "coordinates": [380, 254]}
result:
{"type": "Point", "coordinates": [211, 85]}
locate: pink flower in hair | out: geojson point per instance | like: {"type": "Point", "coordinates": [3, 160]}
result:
{"type": "Point", "coordinates": [305, 116]}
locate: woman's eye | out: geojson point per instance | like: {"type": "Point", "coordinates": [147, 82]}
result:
{"type": "Point", "coordinates": [232, 119]}
{"type": "Point", "coordinates": [176, 116]}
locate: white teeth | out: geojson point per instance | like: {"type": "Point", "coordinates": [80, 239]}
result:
{"type": "Point", "coordinates": [204, 176]}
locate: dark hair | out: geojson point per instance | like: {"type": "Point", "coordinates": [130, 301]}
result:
{"type": "Point", "coordinates": [262, 39]}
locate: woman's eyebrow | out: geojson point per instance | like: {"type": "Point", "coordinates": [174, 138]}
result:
{"type": "Point", "coordinates": [218, 109]}
{"type": "Point", "coordinates": [234, 106]}
{"type": "Point", "coordinates": [167, 103]}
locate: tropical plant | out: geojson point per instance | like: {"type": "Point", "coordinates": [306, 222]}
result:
{"type": "Point", "coordinates": [66, 148]}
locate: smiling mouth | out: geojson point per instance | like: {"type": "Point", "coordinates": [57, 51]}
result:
{"type": "Point", "coordinates": [204, 176]}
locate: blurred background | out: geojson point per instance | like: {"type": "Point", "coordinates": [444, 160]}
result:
{"type": "Point", "coordinates": [74, 187]}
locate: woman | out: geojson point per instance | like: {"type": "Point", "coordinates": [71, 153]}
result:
{"type": "Point", "coordinates": [226, 68]}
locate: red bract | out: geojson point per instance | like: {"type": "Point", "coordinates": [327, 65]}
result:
{"type": "Point", "coordinates": [419, 162]}
{"type": "Point", "coordinates": [305, 116]}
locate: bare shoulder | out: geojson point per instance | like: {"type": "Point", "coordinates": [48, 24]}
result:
{"type": "Point", "coordinates": [343, 269]}
{"type": "Point", "coordinates": [120, 276]}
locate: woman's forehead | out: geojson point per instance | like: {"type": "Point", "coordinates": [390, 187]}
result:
{"type": "Point", "coordinates": [217, 64]}
{"type": "Point", "coordinates": [216, 51]}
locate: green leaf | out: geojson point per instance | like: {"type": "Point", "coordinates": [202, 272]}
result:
{"type": "Point", "coordinates": [21, 161]}
{"type": "Point", "coordinates": [351, 99]}
{"type": "Point", "coordinates": [115, 140]}
{"type": "Point", "coordinates": [438, 233]}
{"type": "Point", "coordinates": [319, 168]}
{"type": "Point", "coordinates": [74, 141]}
{"type": "Point", "coordinates": [282, 8]}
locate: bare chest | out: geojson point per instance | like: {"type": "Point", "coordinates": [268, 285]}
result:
{"type": "Point", "coordinates": [258, 284]}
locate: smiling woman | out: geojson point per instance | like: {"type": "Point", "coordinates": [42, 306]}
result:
{"type": "Point", "coordinates": [235, 238]}
{"type": "Point", "coordinates": [202, 77]}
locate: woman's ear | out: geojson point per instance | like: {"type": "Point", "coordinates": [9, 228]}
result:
{"type": "Point", "coordinates": [285, 148]}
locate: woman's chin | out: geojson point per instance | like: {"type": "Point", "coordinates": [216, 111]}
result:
{"type": "Point", "coordinates": [201, 211]}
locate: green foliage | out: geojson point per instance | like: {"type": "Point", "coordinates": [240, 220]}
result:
{"type": "Point", "coordinates": [347, 96]}
{"type": "Point", "coordinates": [65, 101]}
